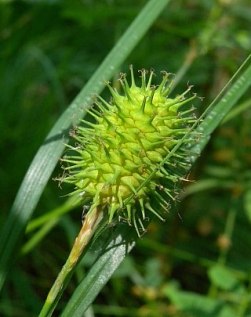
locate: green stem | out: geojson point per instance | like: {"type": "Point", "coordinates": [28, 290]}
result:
{"type": "Point", "coordinates": [228, 233]}
{"type": "Point", "coordinates": [86, 233]}
{"type": "Point", "coordinates": [190, 57]}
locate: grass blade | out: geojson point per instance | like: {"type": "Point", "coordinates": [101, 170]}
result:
{"type": "Point", "coordinates": [114, 250]}
{"type": "Point", "coordinates": [224, 102]}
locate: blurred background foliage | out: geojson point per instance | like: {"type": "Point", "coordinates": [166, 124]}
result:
{"type": "Point", "coordinates": [197, 263]}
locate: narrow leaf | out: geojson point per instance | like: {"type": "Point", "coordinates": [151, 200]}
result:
{"type": "Point", "coordinates": [113, 251]}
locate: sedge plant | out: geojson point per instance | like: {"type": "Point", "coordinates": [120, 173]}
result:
{"type": "Point", "coordinates": [194, 134]}
{"type": "Point", "coordinates": [121, 165]}
{"type": "Point", "coordinates": [137, 204]}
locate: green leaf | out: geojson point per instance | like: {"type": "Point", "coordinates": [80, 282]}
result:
{"type": "Point", "coordinates": [237, 111]}
{"type": "Point", "coordinates": [222, 277]}
{"type": "Point", "coordinates": [113, 250]}
{"type": "Point", "coordinates": [197, 305]}
{"type": "Point", "coordinates": [247, 204]}
{"type": "Point", "coordinates": [205, 185]}
{"type": "Point", "coordinates": [227, 311]}
{"type": "Point", "coordinates": [223, 103]}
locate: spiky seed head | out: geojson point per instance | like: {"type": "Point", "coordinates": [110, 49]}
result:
{"type": "Point", "coordinates": [119, 162]}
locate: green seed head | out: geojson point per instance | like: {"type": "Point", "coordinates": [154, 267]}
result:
{"type": "Point", "coordinates": [120, 162]}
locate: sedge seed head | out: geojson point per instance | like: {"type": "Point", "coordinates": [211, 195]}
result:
{"type": "Point", "coordinates": [119, 161]}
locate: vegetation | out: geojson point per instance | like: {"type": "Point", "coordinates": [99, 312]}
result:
{"type": "Point", "coordinates": [197, 262]}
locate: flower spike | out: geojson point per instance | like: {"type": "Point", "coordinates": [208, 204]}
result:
{"type": "Point", "coordinates": [123, 163]}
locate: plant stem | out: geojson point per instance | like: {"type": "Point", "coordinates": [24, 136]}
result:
{"type": "Point", "coordinates": [86, 233]}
